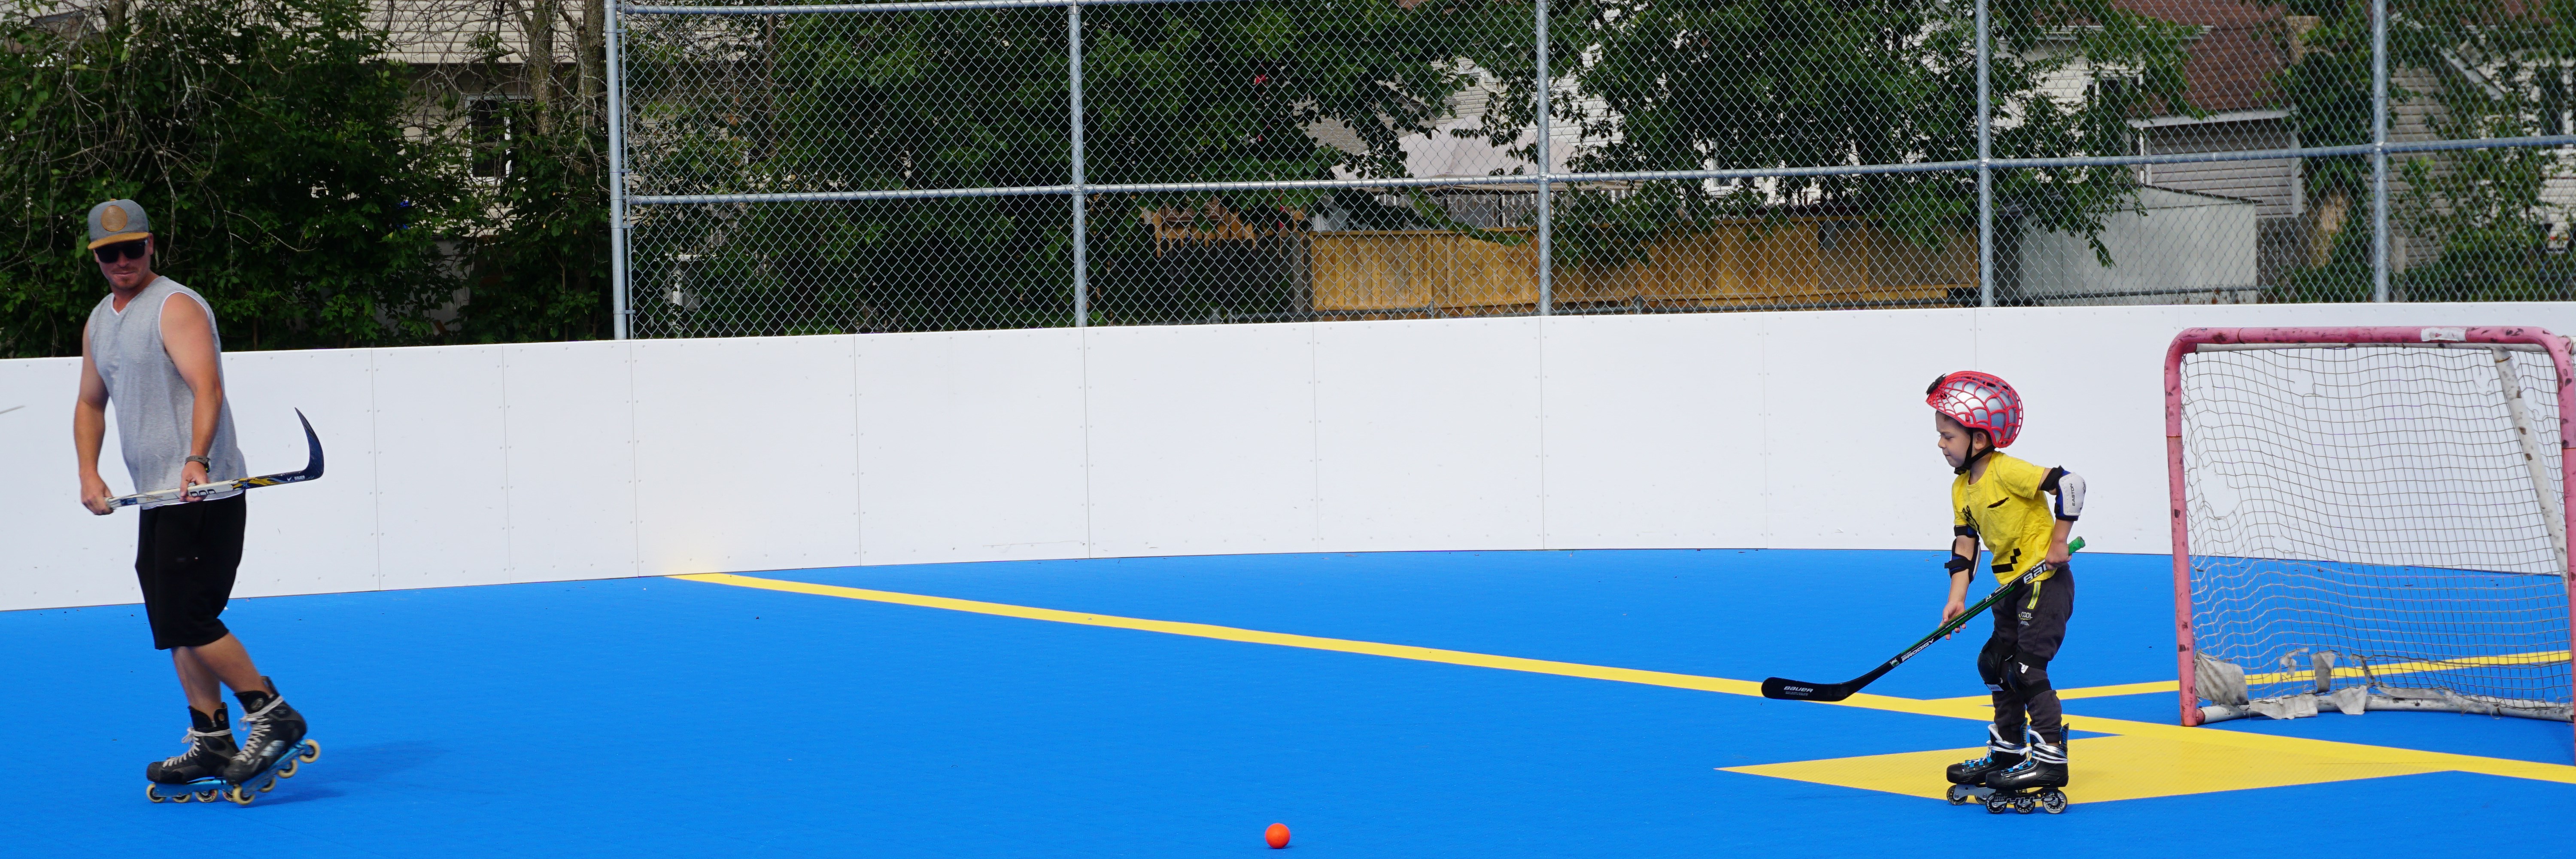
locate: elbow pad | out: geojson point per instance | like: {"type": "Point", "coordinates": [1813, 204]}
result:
{"type": "Point", "coordinates": [2069, 487]}
{"type": "Point", "coordinates": [1961, 565]}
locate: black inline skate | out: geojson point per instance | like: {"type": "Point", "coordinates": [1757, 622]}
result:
{"type": "Point", "coordinates": [1968, 777]}
{"type": "Point", "coordinates": [2033, 783]}
{"type": "Point", "coordinates": [274, 747]}
{"type": "Point", "coordinates": [195, 773]}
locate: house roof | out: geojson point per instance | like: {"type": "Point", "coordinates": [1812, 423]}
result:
{"type": "Point", "coordinates": [2240, 50]}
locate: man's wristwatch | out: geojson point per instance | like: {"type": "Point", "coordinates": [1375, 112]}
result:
{"type": "Point", "coordinates": [208, 462]}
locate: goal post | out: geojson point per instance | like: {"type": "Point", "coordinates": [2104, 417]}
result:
{"type": "Point", "coordinates": [2370, 519]}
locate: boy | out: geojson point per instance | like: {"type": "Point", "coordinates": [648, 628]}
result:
{"type": "Point", "coordinates": [1996, 498]}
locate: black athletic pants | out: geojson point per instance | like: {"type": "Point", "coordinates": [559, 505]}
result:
{"type": "Point", "coordinates": [2029, 624]}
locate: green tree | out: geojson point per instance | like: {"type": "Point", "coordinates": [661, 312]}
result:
{"type": "Point", "coordinates": [1660, 85]}
{"type": "Point", "coordinates": [979, 99]}
{"type": "Point", "coordinates": [535, 254]}
{"type": "Point", "coordinates": [2477, 69]}
{"type": "Point", "coordinates": [265, 138]}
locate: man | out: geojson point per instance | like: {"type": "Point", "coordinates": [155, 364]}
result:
{"type": "Point", "coordinates": [151, 348]}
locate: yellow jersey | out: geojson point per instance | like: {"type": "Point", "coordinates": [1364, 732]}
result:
{"type": "Point", "coordinates": [2009, 512]}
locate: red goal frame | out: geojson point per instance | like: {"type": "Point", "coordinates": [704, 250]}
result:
{"type": "Point", "coordinates": [2191, 340]}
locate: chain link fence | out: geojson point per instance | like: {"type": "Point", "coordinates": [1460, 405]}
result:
{"type": "Point", "coordinates": [1022, 163]}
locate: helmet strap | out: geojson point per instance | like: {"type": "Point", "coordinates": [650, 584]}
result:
{"type": "Point", "coordinates": [1973, 453]}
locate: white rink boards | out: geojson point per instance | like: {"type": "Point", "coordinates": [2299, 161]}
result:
{"type": "Point", "coordinates": [541, 462]}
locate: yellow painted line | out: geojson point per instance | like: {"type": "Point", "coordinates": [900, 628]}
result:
{"type": "Point", "coordinates": [2535, 658]}
{"type": "Point", "coordinates": [1252, 636]}
{"type": "Point", "coordinates": [2120, 689]}
{"type": "Point", "coordinates": [2104, 769]}
{"type": "Point", "coordinates": [1974, 709]}
{"type": "Point", "coordinates": [2354, 752]}
{"type": "Point", "coordinates": [2153, 686]}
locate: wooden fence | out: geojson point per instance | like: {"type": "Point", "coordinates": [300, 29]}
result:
{"type": "Point", "coordinates": [1813, 261]}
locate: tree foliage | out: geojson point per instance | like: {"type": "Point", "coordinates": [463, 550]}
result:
{"type": "Point", "coordinates": [295, 175]}
{"type": "Point", "coordinates": [2472, 70]}
{"type": "Point", "coordinates": [1662, 85]}
{"type": "Point", "coordinates": [264, 139]}
{"type": "Point", "coordinates": [980, 99]}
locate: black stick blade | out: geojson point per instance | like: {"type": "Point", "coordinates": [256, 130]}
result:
{"type": "Point", "coordinates": [313, 443]}
{"type": "Point", "coordinates": [1784, 689]}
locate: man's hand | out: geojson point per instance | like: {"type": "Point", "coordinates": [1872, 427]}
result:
{"type": "Point", "coordinates": [1951, 612]}
{"type": "Point", "coordinates": [193, 475]}
{"type": "Point", "coordinates": [94, 495]}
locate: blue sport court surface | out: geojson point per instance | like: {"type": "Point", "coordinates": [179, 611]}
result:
{"type": "Point", "coordinates": [1486, 704]}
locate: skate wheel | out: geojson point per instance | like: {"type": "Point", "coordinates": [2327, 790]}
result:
{"type": "Point", "coordinates": [210, 795]}
{"type": "Point", "coordinates": [152, 792]}
{"type": "Point", "coordinates": [312, 751]}
{"type": "Point", "coordinates": [180, 798]}
{"type": "Point", "coordinates": [1996, 806]}
{"type": "Point", "coordinates": [2053, 802]}
{"type": "Point", "coordinates": [288, 771]}
{"type": "Point", "coordinates": [238, 796]}
{"type": "Point", "coordinates": [270, 785]}
{"type": "Point", "coordinates": [1958, 794]}
{"type": "Point", "coordinates": [2023, 805]}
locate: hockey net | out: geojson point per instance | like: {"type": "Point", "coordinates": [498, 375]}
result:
{"type": "Point", "coordinates": [2369, 519]}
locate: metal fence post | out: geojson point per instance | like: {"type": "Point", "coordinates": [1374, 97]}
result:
{"type": "Point", "coordinates": [2379, 150]}
{"type": "Point", "coordinates": [1081, 235]}
{"type": "Point", "coordinates": [619, 314]}
{"type": "Point", "coordinates": [1985, 166]}
{"type": "Point", "coordinates": [1546, 185]}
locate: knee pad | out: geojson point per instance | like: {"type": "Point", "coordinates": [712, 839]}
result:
{"type": "Point", "coordinates": [2027, 677]}
{"type": "Point", "coordinates": [1992, 661]}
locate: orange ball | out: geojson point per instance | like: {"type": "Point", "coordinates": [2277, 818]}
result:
{"type": "Point", "coordinates": [1277, 836]}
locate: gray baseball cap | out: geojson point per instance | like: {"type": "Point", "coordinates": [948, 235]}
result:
{"type": "Point", "coordinates": [117, 221]}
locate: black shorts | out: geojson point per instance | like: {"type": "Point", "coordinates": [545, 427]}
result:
{"type": "Point", "coordinates": [185, 558]}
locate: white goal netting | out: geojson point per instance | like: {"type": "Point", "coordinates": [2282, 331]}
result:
{"type": "Point", "coordinates": [2371, 528]}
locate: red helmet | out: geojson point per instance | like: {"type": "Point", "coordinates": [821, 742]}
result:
{"type": "Point", "coordinates": [1978, 401]}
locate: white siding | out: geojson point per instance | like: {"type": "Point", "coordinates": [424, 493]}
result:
{"type": "Point", "coordinates": [2270, 184]}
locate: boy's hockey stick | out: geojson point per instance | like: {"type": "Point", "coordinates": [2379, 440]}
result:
{"type": "Point", "coordinates": [312, 469]}
{"type": "Point", "coordinates": [1803, 691]}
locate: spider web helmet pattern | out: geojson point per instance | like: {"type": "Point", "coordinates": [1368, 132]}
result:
{"type": "Point", "coordinates": [1978, 401]}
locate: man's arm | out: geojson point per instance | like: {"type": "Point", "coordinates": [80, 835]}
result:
{"type": "Point", "coordinates": [89, 430]}
{"type": "Point", "coordinates": [189, 336]}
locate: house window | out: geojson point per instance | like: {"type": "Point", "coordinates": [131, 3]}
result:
{"type": "Point", "coordinates": [489, 131]}
{"type": "Point", "coordinates": [2557, 101]}
{"type": "Point", "coordinates": [2111, 88]}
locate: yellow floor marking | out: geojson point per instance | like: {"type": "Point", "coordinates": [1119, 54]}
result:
{"type": "Point", "coordinates": [2118, 689]}
{"type": "Point", "coordinates": [2153, 686]}
{"type": "Point", "coordinates": [2102, 769]}
{"type": "Point", "coordinates": [1228, 633]}
{"type": "Point", "coordinates": [2426, 666]}
{"type": "Point", "coordinates": [2363, 760]}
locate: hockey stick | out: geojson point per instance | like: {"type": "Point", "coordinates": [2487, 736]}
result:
{"type": "Point", "coordinates": [312, 470]}
{"type": "Point", "coordinates": [1797, 690]}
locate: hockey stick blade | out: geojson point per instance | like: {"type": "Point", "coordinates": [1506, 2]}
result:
{"type": "Point", "coordinates": [1799, 690]}
{"type": "Point", "coordinates": [1784, 689]}
{"type": "Point", "coordinates": [312, 470]}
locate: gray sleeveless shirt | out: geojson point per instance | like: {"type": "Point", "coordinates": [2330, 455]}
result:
{"type": "Point", "coordinates": [153, 403]}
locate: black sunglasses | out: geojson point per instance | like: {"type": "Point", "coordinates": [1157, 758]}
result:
{"type": "Point", "coordinates": [121, 250]}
